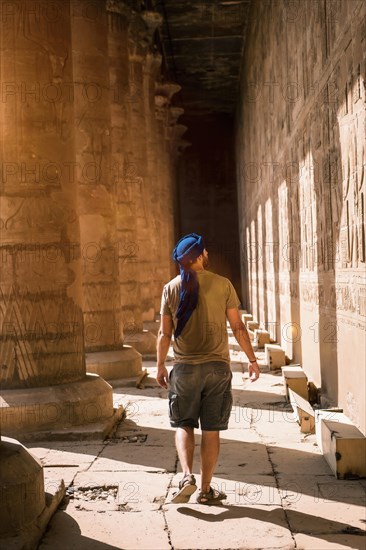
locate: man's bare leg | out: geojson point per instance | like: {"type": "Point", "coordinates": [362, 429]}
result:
{"type": "Point", "coordinates": [184, 442]}
{"type": "Point", "coordinates": [210, 448]}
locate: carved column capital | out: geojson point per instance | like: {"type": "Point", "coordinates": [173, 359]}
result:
{"type": "Point", "coordinates": [161, 104]}
{"type": "Point", "coordinates": [175, 113]}
{"type": "Point", "coordinates": [118, 6]}
{"type": "Point", "coordinates": [152, 66]}
{"type": "Point", "coordinates": [181, 146]}
{"type": "Point", "coordinates": [168, 89]}
{"type": "Point", "coordinates": [138, 38]}
{"type": "Point", "coordinates": [178, 131]}
{"type": "Point", "coordinates": [152, 20]}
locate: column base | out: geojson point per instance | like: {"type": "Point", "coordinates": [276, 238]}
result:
{"type": "Point", "coordinates": [112, 365]}
{"type": "Point", "coordinates": [82, 410]}
{"type": "Point", "coordinates": [152, 326]}
{"type": "Point", "coordinates": [148, 315]}
{"type": "Point", "coordinates": [25, 509]}
{"type": "Point", "coordinates": [144, 342]}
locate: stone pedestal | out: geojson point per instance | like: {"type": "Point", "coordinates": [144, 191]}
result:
{"type": "Point", "coordinates": [112, 365]}
{"type": "Point", "coordinates": [22, 488]}
{"type": "Point", "coordinates": [25, 508]}
{"type": "Point", "coordinates": [144, 342]}
{"type": "Point", "coordinates": [45, 412]}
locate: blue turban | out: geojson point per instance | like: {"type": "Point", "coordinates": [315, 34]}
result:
{"type": "Point", "coordinates": [187, 249]}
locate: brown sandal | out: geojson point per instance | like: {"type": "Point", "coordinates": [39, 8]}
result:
{"type": "Point", "coordinates": [187, 486]}
{"type": "Point", "coordinates": [211, 497]}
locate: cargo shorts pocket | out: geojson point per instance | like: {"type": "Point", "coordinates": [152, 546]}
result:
{"type": "Point", "coordinates": [222, 372]}
{"type": "Point", "coordinates": [227, 402]}
{"type": "Point", "coordinates": [173, 407]}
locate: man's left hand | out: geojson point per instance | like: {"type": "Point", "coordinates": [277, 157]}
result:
{"type": "Point", "coordinates": [253, 371]}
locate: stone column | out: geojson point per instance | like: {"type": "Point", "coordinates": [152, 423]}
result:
{"type": "Point", "coordinates": [137, 270]}
{"type": "Point", "coordinates": [95, 42]}
{"type": "Point", "coordinates": [151, 71]}
{"type": "Point", "coordinates": [43, 377]}
{"type": "Point", "coordinates": [138, 153]}
{"type": "Point", "coordinates": [164, 94]}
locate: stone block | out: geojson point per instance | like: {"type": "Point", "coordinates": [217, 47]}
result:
{"type": "Point", "coordinates": [295, 379]}
{"type": "Point", "coordinates": [344, 447]}
{"type": "Point", "coordinates": [252, 325]}
{"type": "Point", "coordinates": [21, 483]}
{"type": "Point", "coordinates": [275, 356]}
{"type": "Point", "coordinates": [246, 317]}
{"type": "Point", "coordinates": [25, 509]}
{"type": "Point", "coordinates": [152, 326]}
{"type": "Point", "coordinates": [149, 313]}
{"type": "Point", "coordinates": [261, 337]}
{"type": "Point", "coordinates": [144, 342]}
{"type": "Point", "coordinates": [325, 414]}
{"type": "Point", "coordinates": [303, 411]}
{"type": "Point", "coordinates": [112, 365]}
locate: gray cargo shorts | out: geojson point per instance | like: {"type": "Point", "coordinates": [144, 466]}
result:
{"type": "Point", "coordinates": [200, 392]}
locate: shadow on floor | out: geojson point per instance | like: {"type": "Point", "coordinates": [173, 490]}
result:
{"type": "Point", "coordinates": [320, 528]}
{"type": "Point", "coordinates": [69, 536]}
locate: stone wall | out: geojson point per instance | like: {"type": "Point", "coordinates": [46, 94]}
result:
{"type": "Point", "coordinates": [300, 172]}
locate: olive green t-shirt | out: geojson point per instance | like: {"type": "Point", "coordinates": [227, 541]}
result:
{"type": "Point", "coordinates": [204, 337]}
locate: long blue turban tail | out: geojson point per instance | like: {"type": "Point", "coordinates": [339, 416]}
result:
{"type": "Point", "coordinates": [187, 249]}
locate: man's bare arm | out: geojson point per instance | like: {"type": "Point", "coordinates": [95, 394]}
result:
{"type": "Point", "coordinates": [163, 343]}
{"type": "Point", "coordinates": [242, 337]}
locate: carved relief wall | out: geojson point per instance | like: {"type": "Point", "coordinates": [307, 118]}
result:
{"type": "Point", "coordinates": [301, 149]}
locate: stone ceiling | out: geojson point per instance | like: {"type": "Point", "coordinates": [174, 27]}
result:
{"type": "Point", "coordinates": [202, 42]}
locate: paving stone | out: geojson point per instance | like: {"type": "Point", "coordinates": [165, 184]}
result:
{"type": "Point", "coordinates": [240, 434]}
{"type": "Point", "coordinates": [320, 504]}
{"type": "Point", "coordinates": [212, 527]}
{"type": "Point", "coordinates": [329, 542]}
{"type": "Point", "coordinates": [136, 491]}
{"type": "Point", "coordinates": [39, 452]}
{"type": "Point", "coordinates": [52, 476]}
{"type": "Point", "coordinates": [146, 436]}
{"type": "Point", "coordinates": [292, 459]}
{"type": "Point", "coordinates": [72, 529]}
{"type": "Point", "coordinates": [124, 456]}
{"type": "Point", "coordinates": [71, 455]}
{"type": "Point", "coordinates": [245, 457]}
{"type": "Point", "coordinates": [306, 515]}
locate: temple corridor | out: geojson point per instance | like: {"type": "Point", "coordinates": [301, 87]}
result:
{"type": "Point", "coordinates": [126, 124]}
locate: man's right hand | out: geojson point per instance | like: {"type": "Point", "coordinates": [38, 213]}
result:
{"type": "Point", "coordinates": [253, 371]}
{"type": "Point", "coordinates": [162, 376]}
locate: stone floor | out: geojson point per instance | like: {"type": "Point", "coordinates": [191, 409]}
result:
{"type": "Point", "coordinates": [281, 492]}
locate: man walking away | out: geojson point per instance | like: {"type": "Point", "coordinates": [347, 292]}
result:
{"type": "Point", "coordinates": [195, 307]}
